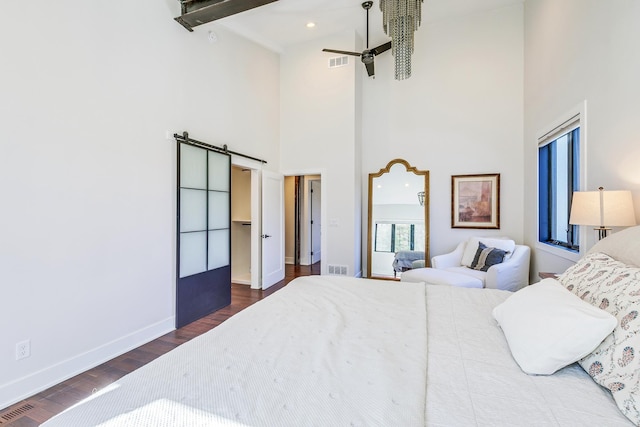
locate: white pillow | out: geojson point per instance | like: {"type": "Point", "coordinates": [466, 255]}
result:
{"type": "Point", "coordinates": [472, 246]}
{"type": "Point", "coordinates": [548, 327]}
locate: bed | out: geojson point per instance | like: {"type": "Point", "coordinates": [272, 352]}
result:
{"type": "Point", "coordinates": [337, 351]}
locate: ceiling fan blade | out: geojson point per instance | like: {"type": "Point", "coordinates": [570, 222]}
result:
{"type": "Point", "coordinates": [344, 52]}
{"type": "Point", "coordinates": [382, 48]}
{"type": "Point", "coordinates": [369, 66]}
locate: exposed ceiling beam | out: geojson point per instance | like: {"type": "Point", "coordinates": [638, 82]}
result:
{"type": "Point", "coordinates": [195, 12]}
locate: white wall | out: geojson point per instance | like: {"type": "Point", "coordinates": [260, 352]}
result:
{"type": "Point", "coordinates": [319, 134]}
{"type": "Point", "coordinates": [578, 50]}
{"type": "Point", "coordinates": [461, 112]}
{"type": "Point", "coordinates": [88, 177]}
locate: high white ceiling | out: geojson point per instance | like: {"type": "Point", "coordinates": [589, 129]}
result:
{"type": "Point", "coordinates": [283, 23]}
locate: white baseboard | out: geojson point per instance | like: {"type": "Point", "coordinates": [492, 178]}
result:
{"type": "Point", "coordinates": [289, 260]}
{"type": "Point", "coordinates": [241, 279]}
{"type": "Point", "coordinates": [36, 382]}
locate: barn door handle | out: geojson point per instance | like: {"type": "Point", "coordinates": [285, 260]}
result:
{"type": "Point", "coordinates": [264, 236]}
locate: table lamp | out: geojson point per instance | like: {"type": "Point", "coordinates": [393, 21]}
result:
{"type": "Point", "coordinates": [604, 209]}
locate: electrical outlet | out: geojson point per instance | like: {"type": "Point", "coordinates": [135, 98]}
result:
{"type": "Point", "coordinates": [23, 349]}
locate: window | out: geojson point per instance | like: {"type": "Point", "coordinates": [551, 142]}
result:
{"type": "Point", "coordinates": [392, 237]}
{"type": "Point", "coordinates": [558, 178]}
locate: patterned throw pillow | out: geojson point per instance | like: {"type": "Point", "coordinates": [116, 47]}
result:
{"type": "Point", "coordinates": [486, 257]}
{"type": "Point", "coordinates": [614, 287]}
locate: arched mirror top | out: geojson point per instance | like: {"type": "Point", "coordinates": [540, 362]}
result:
{"type": "Point", "coordinates": [397, 183]}
{"type": "Point", "coordinates": [398, 207]}
{"type": "Point", "coordinates": [403, 162]}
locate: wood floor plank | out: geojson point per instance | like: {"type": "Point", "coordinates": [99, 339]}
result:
{"type": "Point", "coordinates": [61, 396]}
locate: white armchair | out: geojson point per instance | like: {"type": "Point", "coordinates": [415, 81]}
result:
{"type": "Point", "coordinates": [510, 275]}
{"type": "Point", "coordinates": [452, 268]}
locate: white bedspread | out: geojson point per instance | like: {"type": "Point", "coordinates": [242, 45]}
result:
{"type": "Point", "coordinates": [473, 380]}
{"type": "Point", "coordinates": [332, 351]}
{"type": "Point", "coordinates": [323, 351]}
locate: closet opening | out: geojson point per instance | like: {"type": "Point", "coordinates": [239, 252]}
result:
{"type": "Point", "coordinates": [241, 225]}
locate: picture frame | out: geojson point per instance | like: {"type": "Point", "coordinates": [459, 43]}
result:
{"type": "Point", "coordinates": [475, 201]}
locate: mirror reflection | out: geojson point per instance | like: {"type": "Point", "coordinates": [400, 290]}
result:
{"type": "Point", "coordinates": [398, 237]}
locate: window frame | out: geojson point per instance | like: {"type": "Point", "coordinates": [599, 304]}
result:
{"type": "Point", "coordinates": [412, 231]}
{"type": "Point", "coordinates": [572, 119]}
{"type": "Point", "coordinates": [553, 156]}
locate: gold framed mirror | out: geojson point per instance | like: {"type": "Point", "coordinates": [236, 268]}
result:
{"type": "Point", "coordinates": [398, 225]}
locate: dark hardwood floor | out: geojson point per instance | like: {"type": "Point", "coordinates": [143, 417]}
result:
{"type": "Point", "coordinates": [39, 408]}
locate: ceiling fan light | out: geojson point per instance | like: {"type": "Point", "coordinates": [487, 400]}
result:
{"type": "Point", "coordinates": [400, 20]}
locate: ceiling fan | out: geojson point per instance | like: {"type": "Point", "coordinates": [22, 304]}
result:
{"type": "Point", "coordinates": [367, 55]}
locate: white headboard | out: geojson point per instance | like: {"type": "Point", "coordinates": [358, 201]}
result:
{"type": "Point", "coordinates": [623, 246]}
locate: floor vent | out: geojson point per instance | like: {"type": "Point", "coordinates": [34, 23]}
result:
{"type": "Point", "coordinates": [15, 413]}
{"type": "Point", "coordinates": [338, 61]}
{"type": "Point", "coordinates": [340, 270]}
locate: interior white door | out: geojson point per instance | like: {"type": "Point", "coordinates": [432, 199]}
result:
{"type": "Point", "coordinates": [316, 223]}
{"type": "Point", "coordinates": [272, 228]}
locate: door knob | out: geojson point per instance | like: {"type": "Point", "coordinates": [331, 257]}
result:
{"type": "Point", "coordinates": [264, 236]}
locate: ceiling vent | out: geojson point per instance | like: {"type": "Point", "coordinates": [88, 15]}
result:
{"type": "Point", "coordinates": [198, 12]}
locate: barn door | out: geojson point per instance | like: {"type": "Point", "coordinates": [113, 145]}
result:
{"type": "Point", "coordinates": [203, 242]}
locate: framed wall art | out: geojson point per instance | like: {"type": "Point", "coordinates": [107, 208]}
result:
{"type": "Point", "coordinates": [475, 201]}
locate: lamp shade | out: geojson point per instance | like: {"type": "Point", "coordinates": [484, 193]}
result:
{"type": "Point", "coordinates": [602, 208]}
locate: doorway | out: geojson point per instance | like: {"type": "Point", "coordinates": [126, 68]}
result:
{"type": "Point", "coordinates": [258, 221]}
{"type": "Point", "coordinates": [241, 225]}
{"type": "Point", "coordinates": [303, 220]}
{"type": "Point", "coordinates": [315, 197]}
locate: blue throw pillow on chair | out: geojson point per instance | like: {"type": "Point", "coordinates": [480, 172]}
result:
{"type": "Point", "coordinates": [486, 257]}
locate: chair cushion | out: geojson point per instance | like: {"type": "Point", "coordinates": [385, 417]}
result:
{"type": "Point", "coordinates": [419, 263]}
{"type": "Point", "coordinates": [477, 274]}
{"type": "Point", "coordinates": [441, 277]}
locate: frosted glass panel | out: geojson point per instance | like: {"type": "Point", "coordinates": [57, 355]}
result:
{"type": "Point", "coordinates": [218, 249]}
{"type": "Point", "coordinates": [219, 171]}
{"type": "Point", "coordinates": [193, 210]}
{"type": "Point", "coordinates": [193, 253]}
{"type": "Point", "coordinates": [218, 210]}
{"type": "Point", "coordinates": [193, 167]}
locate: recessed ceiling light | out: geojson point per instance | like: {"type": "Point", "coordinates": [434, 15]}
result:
{"type": "Point", "coordinates": [311, 24]}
